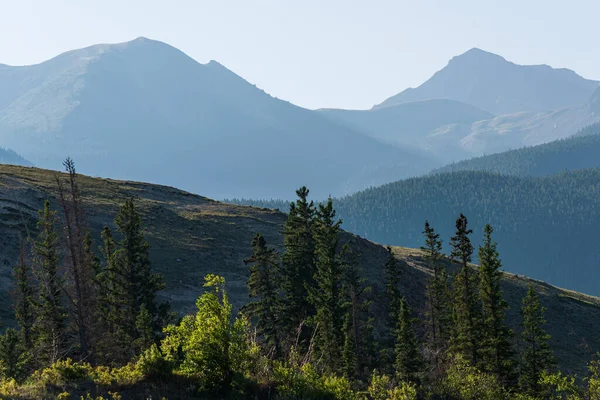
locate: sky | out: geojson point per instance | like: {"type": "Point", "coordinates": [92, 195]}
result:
{"type": "Point", "coordinates": [316, 53]}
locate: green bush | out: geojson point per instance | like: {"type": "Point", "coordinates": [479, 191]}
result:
{"type": "Point", "coordinates": [382, 387]}
{"type": "Point", "coordinates": [209, 346]}
{"type": "Point", "coordinates": [466, 382]}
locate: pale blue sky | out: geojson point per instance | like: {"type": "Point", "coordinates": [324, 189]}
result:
{"type": "Point", "coordinates": [316, 53]}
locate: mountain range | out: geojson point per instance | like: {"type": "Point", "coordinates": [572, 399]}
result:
{"type": "Point", "coordinates": [144, 110]}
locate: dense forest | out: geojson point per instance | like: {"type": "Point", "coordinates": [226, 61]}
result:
{"type": "Point", "coordinates": [577, 152]}
{"type": "Point", "coordinates": [90, 324]}
{"type": "Point", "coordinates": [546, 227]}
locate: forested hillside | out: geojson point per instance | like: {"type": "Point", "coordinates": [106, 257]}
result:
{"type": "Point", "coordinates": [331, 313]}
{"type": "Point", "coordinates": [578, 152]}
{"type": "Point", "coordinates": [546, 226]}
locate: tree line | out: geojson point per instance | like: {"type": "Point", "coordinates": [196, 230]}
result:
{"type": "Point", "coordinates": [310, 329]}
{"type": "Point", "coordinates": [313, 300]}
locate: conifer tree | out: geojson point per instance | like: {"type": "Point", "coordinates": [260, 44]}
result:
{"type": "Point", "coordinates": [24, 296]}
{"type": "Point", "coordinates": [360, 323]}
{"type": "Point", "coordinates": [326, 295]}
{"type": "Point", "coordinates": [298, 267]}
{"type": "Point", "coordinates": [14, 355]}
{"type": "Point", "coordinates": [496, 352]}
{"type": "Point", "coordinates": [438, 310]}
{"type": "Point", "coordinates": [111, 310]}
{"type": "Point", "coordinates": [467, 305]}
{"type": "Point", "coordinates": [350, 366]}
{"type": "Point", "coordinates": [408, 360]}
{"type": "Point", "coordinates": [536, 356]}
{"type": "Point", "coordinates": [263, 285]}
{"type": "Point", "coordinates": [393, 298]}
{"type": "Point", "coordinates": [50, 324]}
{"type": "Point", "coordinates": [130, 285]}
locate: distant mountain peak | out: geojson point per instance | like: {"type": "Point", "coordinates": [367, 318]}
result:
{"type": "Point", "coordinates": [492, 83]}
{"type": "Point", "coordinates": [477, 54]}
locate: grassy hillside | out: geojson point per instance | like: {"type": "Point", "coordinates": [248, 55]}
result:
{"type": "Point", "coordinates": [191, 236]}
{"type": "Point", "coordinates": [578, 152]}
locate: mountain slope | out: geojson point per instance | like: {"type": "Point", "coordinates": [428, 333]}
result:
{"type": "Point", "coordinates": [144, 110]}
{"type": "Point", "coordinates": [546, 227]}
{"type": "Point", "coordinates": [191, 236]}
{"type": "Point", "coordinates": [410, 124]}
{"type": "Point", "coordinates": [491, 83]}
{"type": "Point", "coordinates": [8, 156]}
{"type": "Point", "coordinates": [578, 152]}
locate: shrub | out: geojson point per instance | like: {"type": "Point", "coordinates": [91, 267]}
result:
{"type": "Point", "coordinates": [468, 383]}
{"type": "Point", "coordinates": [64, 372]}
{"type": "Point", "coordinates": [382, 387]}
{"type": "Point", "coordinates": [152, 364]}
{"type": "Point", "coordinates": [209, 346]}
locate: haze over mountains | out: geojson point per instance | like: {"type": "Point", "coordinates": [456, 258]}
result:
{"type": "Point", "coordinates": [492, 83]}
{"type": "Point", "coordinates": [525, 106]}
{"type": "Point", "coordinates": [143, 110]}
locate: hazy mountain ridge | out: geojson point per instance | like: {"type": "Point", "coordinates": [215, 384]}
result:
{"type": "Point", "coordinates": [144, 110]}
{"type": "Point", "coordinates": [492, 83]}
{"type": "Point", "coordinates": [8, 156]}
{"type": "Point", "coordinates": [578, 152]}
{"type": "Point", "coordinates": [413, 123]}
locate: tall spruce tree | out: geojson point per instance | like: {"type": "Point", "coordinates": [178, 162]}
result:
{"type": "Point", "coordinates": [496, 352]}
{"type": "Point", "coordinates": [438, 309]}
{"type": "Point", "coordinates": [358, 324]}
{"type": "Point", "coordinates": [130, 284]}
{"type": "Point", "coordinates": [111, 310]}
{"type": "Point", "coordinates": [14, 355]}
{"type": "Point", "coordinates": [24, 298]}
{"type": "Point", "coordinates": [408, 360]}
{"type": "Point", "coordinates": [49, 328]}
{"type": "Point", "coordinates": [536, 355]}
{"type": "Point", "coordinates": [349, 358]}
{"type": "Point", "coordinates": [263, 287]}
{"type": "Point", "coordinates": [326, 296]}
{"type": "Point", "coordinates": [467, 305]}
{"type": "Point", "coordinates": [393, 297]}
{"type": "Point", "coordinates": [298, 268]}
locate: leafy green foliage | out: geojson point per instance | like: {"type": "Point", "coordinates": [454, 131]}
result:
{"type": "Point", "coordinates": [209, 345]}
{"type": "Point", "coordinates": [466, 382]}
